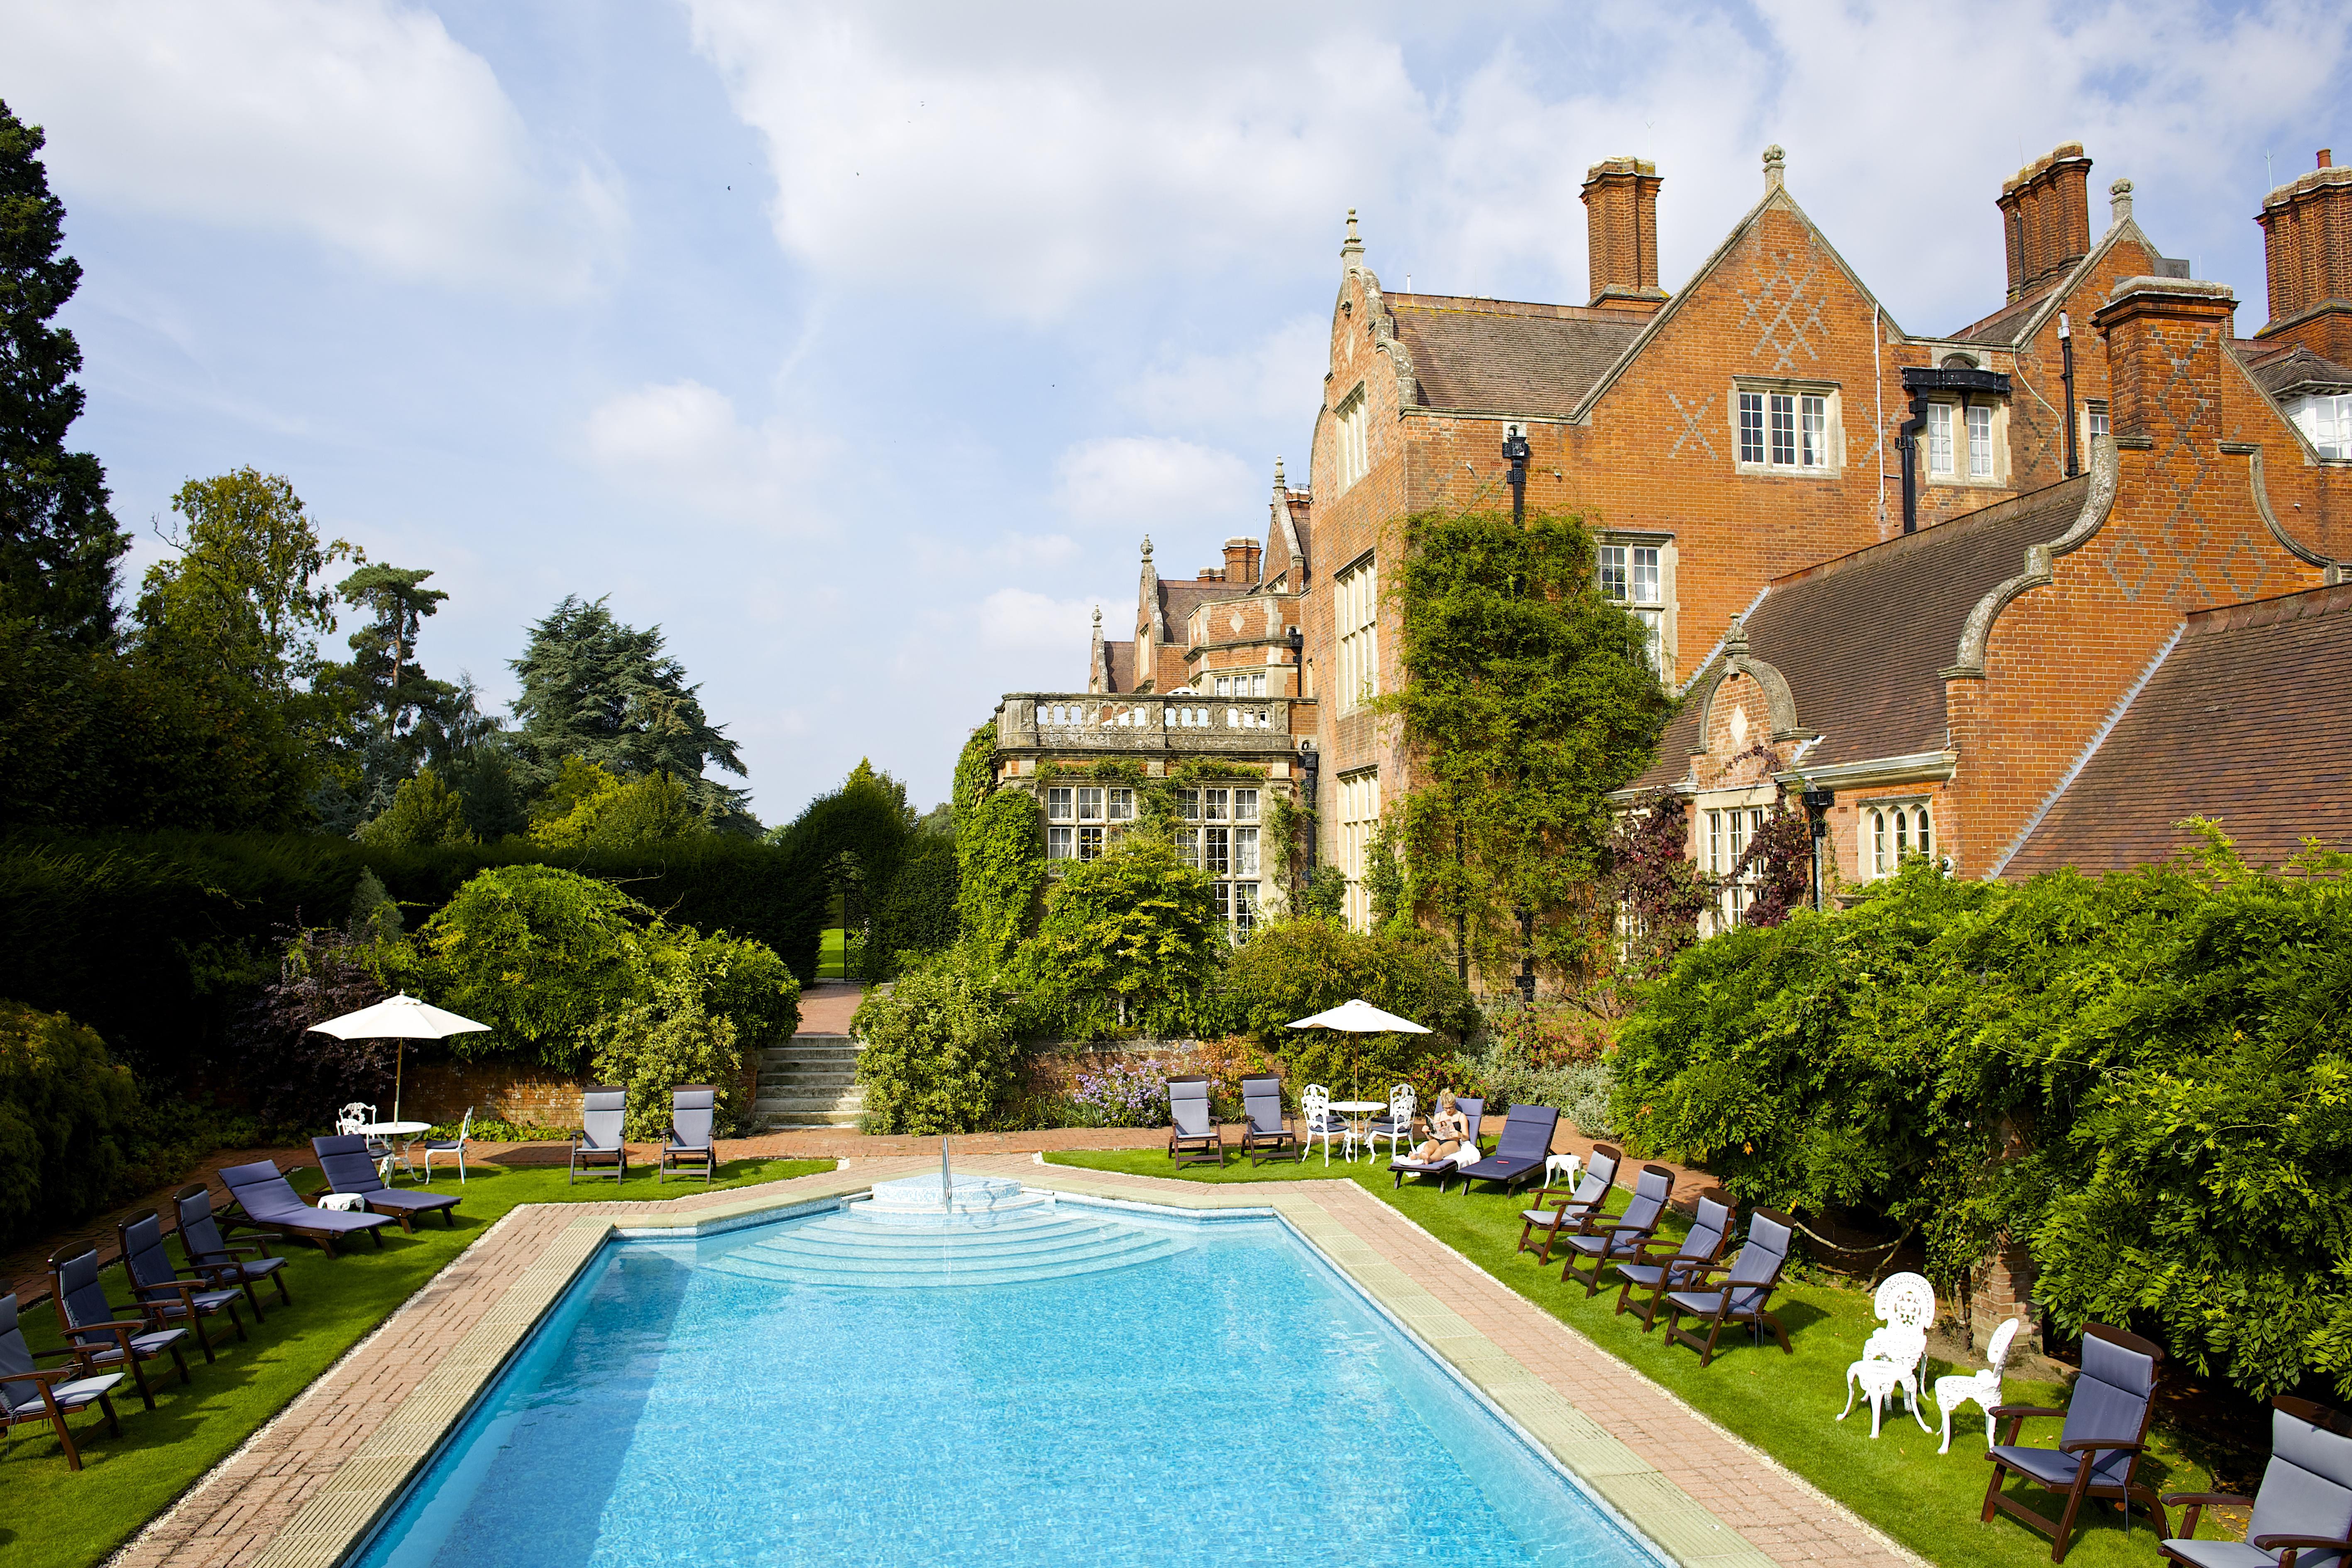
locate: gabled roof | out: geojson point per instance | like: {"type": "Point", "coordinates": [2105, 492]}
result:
{"type": "Point", "coordinates": [2244, 720]}
{"type": "Point", "coordinates": [2282, 368]}
{"type": "Point", "coordinates": [1863, 640]}
{"type": "Point", "coordinates": [2021, 318]}
{"type": "Point", "coordinates": [1118, 665]}
{"type": "Point", "coordinates": [1495, 356]}
{"type": "Point", "coordinates": [1777, 196]}
{"type": "Point", "coordinates": [1177, 600]}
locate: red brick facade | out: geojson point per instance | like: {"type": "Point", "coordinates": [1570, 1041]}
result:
{"type": "Point", "coordinates": [1745, 429]}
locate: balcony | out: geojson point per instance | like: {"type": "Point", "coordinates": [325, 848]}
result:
{"type": "Point", "coordinates": [1145, 722]}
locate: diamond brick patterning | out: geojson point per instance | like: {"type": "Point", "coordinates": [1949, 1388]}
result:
{"type": "Point", "coordinates": [1782, 312]}
{"type": "Point", "coordinates": [308, 1482]}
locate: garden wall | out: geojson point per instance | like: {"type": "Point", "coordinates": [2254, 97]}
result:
{"type": "Point", "coordinates": [519, 1092]}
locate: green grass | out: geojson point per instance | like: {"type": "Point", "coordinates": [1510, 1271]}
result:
{"type": "Point", "coordinates": [831, 955]}
{"type": "Point", "coordinates": [1784, 1405]}
{"type": "Point", "coordinates": [55, 1518]}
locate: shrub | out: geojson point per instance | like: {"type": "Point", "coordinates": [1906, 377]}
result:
{"type": "Point", "coordinates": [939, 1054]}
{"type": "Point", "coordinates": [917, 913]}
{"type": "Point", "coordinates": [621, 815]}
{"type": "Point", "coordinates": [423, 815]}
{"type": "Point", "coordinates": [1128, 943]}
{"type": "Point", "coordinates": [67, 1109]}
{"type": "Point", "coordinates": [652, 1047]}
{"type": "Point", "coordinates": [304, 1077]}
{"type": "Point", "coordinates": [2143, 1076]}
{"type": "Point", "coordinates": [1001, 869]}
{"type": "Point", "coordinates": [1293, 968]}
{"type": "Point", "coordinates": [1124, 1094]}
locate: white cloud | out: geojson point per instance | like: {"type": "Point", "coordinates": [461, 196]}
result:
{"type": "Point", "coordinates": [1031, 158]}
{"type": "Point", "coordinates": [362, 125]}
{"type": "Point", "coordinates": [1016, 620]}
{"type": "Point", "coordinates": [682, 442]}
{"type": "Point", "coordinates": [1269, 380]}
{"type": "Point", "coordinates": [1019, 551]}
{"type": "Point", "coordinates": [1136, 482]}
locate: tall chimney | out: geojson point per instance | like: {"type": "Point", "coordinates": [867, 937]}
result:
{"type": "Point", "coordinates": [2045, 216]}
{"type": "Point", "coordinates": [2167, 341]}
{"type": "Point", "coordinates": [2307, 244]}
{"type": "Point", "coordinates": [1621, 225]}
{"type": "Point", "coordinates": [1237, 562]}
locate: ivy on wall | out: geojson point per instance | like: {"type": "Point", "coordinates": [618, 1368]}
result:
{"type": "Point", "coordinates": [1001, 866]}
{"type": "Point", "coordinates": [1527, 699]}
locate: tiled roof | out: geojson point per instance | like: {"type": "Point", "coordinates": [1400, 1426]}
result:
{"type": "Point", "coordinates": [1177, 599]}
{"type": "Point", "coordinates": [2004, 325]}
{"type": "Point", "coordinates": [2244, 722]}
{"type": "Point", "coordinates": [2278, 372]}
{"type": "Point", "coordinates": [1863, 640]}
{"type": "Point", "coordinates": [1502, 358]}
{"type": "Point", "coordinates": [1120, 659]}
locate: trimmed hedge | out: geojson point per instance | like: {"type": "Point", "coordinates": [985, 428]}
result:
{"type": "Point", "coordinates": [154, 940]}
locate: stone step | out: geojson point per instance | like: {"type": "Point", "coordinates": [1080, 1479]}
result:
{"type": "Point", "coordinates": [808, 1074]}
{"type": "Point", "coordinates": [848, 1099]}
{"type": "Point", "coordinates": [786, 1118]}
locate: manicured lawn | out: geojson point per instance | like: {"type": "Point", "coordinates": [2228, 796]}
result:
{"type": "Point", "coordinates": [1785, 1405]}
{"type": "Point", "coordinates": [55, 1518]}
{"type": "Point", "coordinates": [831, 958]}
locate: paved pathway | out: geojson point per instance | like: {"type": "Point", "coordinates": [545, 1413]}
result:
{"type": "Point", "coordinates": [826, 1006]}
{"type": "Point", "coordinates": [297, 1492]}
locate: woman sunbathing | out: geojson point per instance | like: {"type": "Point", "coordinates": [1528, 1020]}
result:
{"type": "Point", "coordinates": [1449, 1129]}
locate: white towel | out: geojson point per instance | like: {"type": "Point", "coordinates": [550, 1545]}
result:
{"type": "Point", "coordinates": [344, 1203]}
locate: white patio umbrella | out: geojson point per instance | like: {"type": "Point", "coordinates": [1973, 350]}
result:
{"type": "Point", "coordinates": [401, 1017]}
{"type": "Point", "coordinates": [1359, 1017]}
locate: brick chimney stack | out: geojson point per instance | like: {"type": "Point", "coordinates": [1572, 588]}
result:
{"type": "Point", "coordinates": [2045, 216]}
{"type": "Point", "coordinates": [2165, 343]}
{"type": "Point", "coordinates": [1621, 223]}
{"type": "Point", "coordinates": [2307, 242]}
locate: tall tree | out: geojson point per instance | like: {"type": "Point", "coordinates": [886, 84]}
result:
{"type": "Point", "coordinates": [242, 596]}
{"type": "Point", "coordinates": [606, 693]}
{"type": "Point", "coordinates": [58, 542]}
{"type": "Point", "coordinates": [392, 686]}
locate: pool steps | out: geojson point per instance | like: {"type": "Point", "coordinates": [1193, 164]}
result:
{"type": "Point", "coordinates": [1005, 1248]}
{"type": "Point", "coordinates": [810, 1080]}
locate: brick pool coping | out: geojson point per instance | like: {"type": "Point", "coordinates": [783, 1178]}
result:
{"type": "Point", "coordinates": [310, 1483]}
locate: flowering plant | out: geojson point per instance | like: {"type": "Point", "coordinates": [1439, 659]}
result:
{"type": "Point", "coordinates": [1125, 1096]}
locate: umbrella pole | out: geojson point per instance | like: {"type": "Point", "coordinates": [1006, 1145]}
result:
{"type": "Point", "coordinates": [399, 1053]}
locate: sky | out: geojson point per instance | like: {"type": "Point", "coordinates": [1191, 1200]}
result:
{"type": "Point", "coordinates": [857, 347]}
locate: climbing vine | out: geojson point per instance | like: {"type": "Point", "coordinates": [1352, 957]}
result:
{"type": "Point", "coordinates": [1001, 864]}
{"type": "Point", "coordinates": [975, 772]}
{"type": "Point", "coordinates": [1527, 699]}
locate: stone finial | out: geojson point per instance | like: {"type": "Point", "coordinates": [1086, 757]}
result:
{"type": "Point", "coordinates": [1281, 485]}
{"type": "Point", "coordinates": [1099, 620]}
{"type": "Point", "coordinates": [2119, 203]}
{"type": "Point", "coordinates": [1352, 253]}
{"type": "Point", "coordinates": [1776, 168]}
{"type": "Point", "coordinates": [1147, 547]}
{"type": "Point", "coordinates": [1735, 641]}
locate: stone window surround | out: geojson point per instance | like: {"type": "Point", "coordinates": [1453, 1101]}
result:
{"type": "Point", "coordinates": [1832, 437]}
{"type": "Point", "coordinates": [1866, 868]}
{"type": "Point", "coordinates": [1669, 554]}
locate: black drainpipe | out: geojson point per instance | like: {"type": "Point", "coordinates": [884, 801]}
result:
{"type": "Point", "coordinates": [1907, 441]}
{"type": "Point", "coordinates": [1967, 383]}
{"type": "Point", "coordinates": [2066, 358]}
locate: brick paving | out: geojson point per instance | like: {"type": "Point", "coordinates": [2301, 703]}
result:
{"type": "Point", "coordinates": [826, 1006]}
{"type": "Point", "coordinates": [349, 1438]}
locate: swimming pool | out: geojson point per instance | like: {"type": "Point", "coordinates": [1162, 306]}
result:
{"type": "Point", "coordinates": [1174, 1390]}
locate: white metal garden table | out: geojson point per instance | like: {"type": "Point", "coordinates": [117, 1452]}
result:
{"type": "Point", "coordinates": [390, 1130]}
{"type": "Point", "coordinates": [1360, 1113]}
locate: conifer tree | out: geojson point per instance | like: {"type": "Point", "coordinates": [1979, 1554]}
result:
{"type": "Point", "coordinates": [58, 542]}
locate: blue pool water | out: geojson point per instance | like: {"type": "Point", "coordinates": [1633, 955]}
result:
{"type": "Point", "coordinates": [1221, 1397]}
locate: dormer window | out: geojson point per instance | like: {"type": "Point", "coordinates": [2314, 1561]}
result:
{"type": "Point", "coordinates": [2326, 420]}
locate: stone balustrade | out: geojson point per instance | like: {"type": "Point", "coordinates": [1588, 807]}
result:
{"type": "Point", "coordinates": [1145, 722]}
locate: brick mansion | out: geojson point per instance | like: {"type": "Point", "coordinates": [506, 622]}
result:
{"type": "Point", "coordinates": [2023, 593]}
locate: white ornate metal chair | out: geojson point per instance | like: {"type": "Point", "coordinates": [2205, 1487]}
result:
{"type": "Point", "coordinates": [1396, 1126]}
{"type": "Point", "coordinates": [1956, 1390]}
{"type": "Point", "coordinates": [350, 1121]}
{"type": "Point", "coordinates": [1905, 1305]}
{"type": "Point", "coordinates": [1322, 1121]}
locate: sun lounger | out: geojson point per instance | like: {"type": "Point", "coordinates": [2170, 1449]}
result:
{"type": "Point", "coordinates": [1518, 1156]}
{"type": "Point", "coordinates": [2099, 1449]}
{"type": "Point", "coordinates": [603, 1107]}
{"type": "Point", "coordinates": [29, 1393]}
{"type": "Point", "coordinates": [167, 1297]}
{"type": "Point", "coordinates": [2302, 1510]}
{"type": "Point", "coordinates": [345, 1163]}
{"type": "Point", "coordinates": [266, 1201]}
{"type": "Point", "coordinates": [106, 1341]}
{"type": "Point", "coordinates": [693, 1109]}
{"type": "Point", "coordinates": [1601, 1241]}
{"type": "Point", "coordinates": [1557, 1206]}
{"type": "Point", "coordinates": [1193, 1135]}
{"type": "Point", "coordinates": [1268, 1135]}
{"type": "Point", "coordinates": [1473, 1111]}
{"type": "Point", "coordinates": [1663, 1266]}
{"type": "Point", "coordinates": [1744, 1293]}
{"type": "Point", "coordinates": [200, 1240]}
